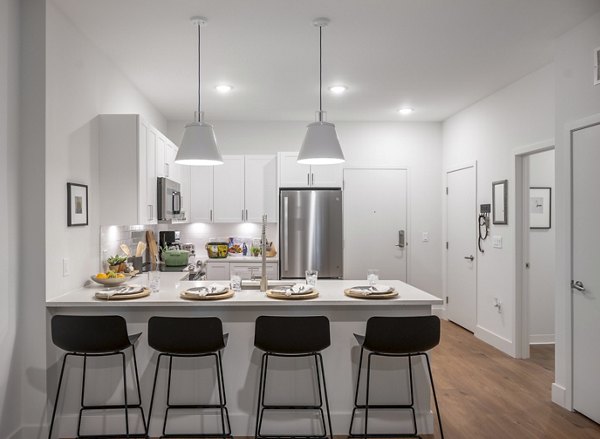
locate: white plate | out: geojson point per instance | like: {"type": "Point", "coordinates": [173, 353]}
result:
{"type": "Point", "coordinates": [375, 289]}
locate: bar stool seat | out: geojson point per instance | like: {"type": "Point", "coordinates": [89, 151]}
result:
{"type": "Point", "coordinates": [181, 337]}
{"type": "Point", "coordinates": [292, 337]}
{"type": "Point", "coordinates": [96, 336]}
{"type": "Point", "coordinates": [406, 337]}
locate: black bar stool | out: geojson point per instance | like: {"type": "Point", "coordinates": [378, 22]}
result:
{"type": "Point", "coordinates": [292, 337]}
{"type": "Point", "coordinates": [189, 338]}
{"type": "Point", "coordinates": [396, 337]}
{"type": "Point", "coordinates": [96, 336]}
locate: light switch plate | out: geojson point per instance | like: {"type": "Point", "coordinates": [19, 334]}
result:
{"type": "Point", "coordinates": [66, 267]}
{"type": "Point", "coordinates": [425, 237]}
{"type": "Point", "coordinates": [497, 241]}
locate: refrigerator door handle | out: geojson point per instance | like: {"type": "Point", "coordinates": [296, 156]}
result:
{"type": "Point", "coordinates": [285, 234]}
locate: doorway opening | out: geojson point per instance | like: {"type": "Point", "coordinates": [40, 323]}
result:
{"type": "Point", "coordinates": [535, 248]}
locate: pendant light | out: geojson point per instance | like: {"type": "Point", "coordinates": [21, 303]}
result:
{"type": "Point", "coordinates": [199, 144]}
{"type": "Point", "coordinates": [321, 145]}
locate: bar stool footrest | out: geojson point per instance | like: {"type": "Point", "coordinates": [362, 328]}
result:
{"type": "Point", "coordinates": [112, 436]}
{"type": "Point", "coordinates": [292, 407]}
{"type": "Point", "coordinates": [194, 436]}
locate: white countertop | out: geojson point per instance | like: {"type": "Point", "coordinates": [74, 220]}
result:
{"type": "Point", "coordinates": [331, 293]}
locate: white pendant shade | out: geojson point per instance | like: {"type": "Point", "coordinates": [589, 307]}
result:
{"type": "Point", "coordinates": [199, 146]}
{"type": "Point", "coordinates": [321, 145]}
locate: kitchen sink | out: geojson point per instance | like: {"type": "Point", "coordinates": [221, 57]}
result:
{"type": "Point", "coordinates": [193, 275]}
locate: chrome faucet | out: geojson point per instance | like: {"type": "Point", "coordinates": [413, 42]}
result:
{"type": "Point", "coordinates": [263, 248]}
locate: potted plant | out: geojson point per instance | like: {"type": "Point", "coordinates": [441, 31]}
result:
{"type": "Point", "coordinates": [117, 263]}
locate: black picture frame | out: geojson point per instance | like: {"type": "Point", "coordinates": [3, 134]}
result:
{"type": "Point", "coordinates": [77, 205]}
{"type": "Point", "coordinates": [500, 211]}
{"type": "Point", "coordinates": [545, 193]}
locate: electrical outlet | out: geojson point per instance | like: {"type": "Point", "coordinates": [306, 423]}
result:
{"type": "Point", "coordinates": [497, 241]}
{"type": "Point", "coordinates": [66, 267]}
{"type": "Point", "coordinates": [425, 237]}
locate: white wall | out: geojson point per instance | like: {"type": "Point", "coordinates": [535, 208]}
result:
{"type": "Point", "coordinates": [417, 146]}
{"type": "Point", "coordinates": [81, 83]}
{"type": "Point", "coordinates": [541, 255]}
{"type": "Point", "coordinates": [10, 365]}
{"type": "Point", "coordinates": [488, 131]}
{"type": "Point", "coordinates": [577, 99]}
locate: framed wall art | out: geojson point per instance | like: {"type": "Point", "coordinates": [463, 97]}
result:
{"type": "Point", "coordinates": [500, 202]}
{"type": "Point", "coordinates": [77, 204]}
{"type": "Point", "coordinates": [540, 207]}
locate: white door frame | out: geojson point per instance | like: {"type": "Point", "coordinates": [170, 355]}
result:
{"type": "Point", "coordinates": [562, 388]}
{"type": "Point", "coordinates": [521, 221]}
{"type": "Point", "coordinates": [459, 167]}
{"type": "Point", "coordinates": [408, 205]}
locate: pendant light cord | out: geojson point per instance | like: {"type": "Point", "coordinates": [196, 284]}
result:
{"type": "Point", "coordinates": [199, 97]}
{"type": "Point", "coordinates": [321, 72]}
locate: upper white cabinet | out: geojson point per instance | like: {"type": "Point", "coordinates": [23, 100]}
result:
{"type": "Point", "coordinates": [228, 189]}
{"type": "Point", "coordinates": [294, 175]}
{"type": "Point", "coordinates": [260, 188]}
{"type": "Point", "coordinates": [241, 190]}
{"type": "Point", "coordinates": [201, 194]}
{"type": "Point", "coordinates": [132, 155]}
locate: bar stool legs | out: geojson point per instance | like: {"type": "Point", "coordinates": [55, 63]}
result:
{"type": "Point", "coordinates": [222, 405]}
{"type": "Point", "coordinates": [323, 398]}
{"type": "Point", "coordinates": [366, 406]}
{"type": "Point", "coordinates": [83, 407]}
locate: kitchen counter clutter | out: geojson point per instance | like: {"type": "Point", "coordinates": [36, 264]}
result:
{"type": "Point", "coordinates": [331, 293]}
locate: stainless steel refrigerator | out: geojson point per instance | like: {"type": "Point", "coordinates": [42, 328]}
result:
{"type": "Point", "coordinates": [310, 233]}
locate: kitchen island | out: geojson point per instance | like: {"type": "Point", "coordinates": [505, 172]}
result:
{"type": "Point", "coordinates": [289, 381]}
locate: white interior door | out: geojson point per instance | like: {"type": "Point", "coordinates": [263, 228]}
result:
{"type": "Point", "coordinates": [462, 252]}
{"type": "Point", "coordinates": [374, 217]}
{"type": "Point", "coordinates": [586, 242]}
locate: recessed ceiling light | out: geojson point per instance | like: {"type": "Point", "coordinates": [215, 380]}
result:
{"type": "Point", "coordinates": [224, 88]}
{"type": "Point", "coordinates": [405, 111]}
{"type": "Point", "coordinates": [338, 89]}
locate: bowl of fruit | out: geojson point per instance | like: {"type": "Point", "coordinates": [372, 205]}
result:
{"type": "Point", "coordinates": [110, 278]}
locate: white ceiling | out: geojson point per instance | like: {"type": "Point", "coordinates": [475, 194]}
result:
{"type": "Point", "coordinates": [437, 56]}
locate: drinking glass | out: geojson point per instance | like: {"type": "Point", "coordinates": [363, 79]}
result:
{"type": "Point", "coordinates": [311, 277]}
{"type": "Point", "coordinates": [235, 282]}
{"type": "Point", "coordinates": [154, 281]}
{"type": "Point", "coordinates": [372, 276]}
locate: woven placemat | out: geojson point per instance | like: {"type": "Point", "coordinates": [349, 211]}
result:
{"type": "Point", "coordinates": [192, 296]}
{"type": "Point", "coordinates": [283, 296]}
{"type": "Point", "coordinates": [145, 292]}
{"type": "Point", "coordinates": [360, 295]}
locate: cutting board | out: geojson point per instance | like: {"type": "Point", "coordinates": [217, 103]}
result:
{"type": "Point", "coordinates": [152, 247]}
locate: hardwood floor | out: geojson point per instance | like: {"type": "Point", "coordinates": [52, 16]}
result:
{"type": "Point", "coordinates": [485, 394]}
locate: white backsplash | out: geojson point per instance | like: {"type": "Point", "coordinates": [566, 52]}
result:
{"type": "Point", "coordinates": [111, 237]}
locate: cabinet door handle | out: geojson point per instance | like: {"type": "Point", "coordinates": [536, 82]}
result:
{"type": "Point", "coordinates": [308, 179]}
{"type": "Point", "coordinates": [246, 214]}
{"type": "Point", "coordinates": [312, 179]}
{"type": "Point", "coordinates": [166, 169]}
{"type": "Point", "coordinates": [211, 215]}
{"type": "Point", "coordinates": [285, 234]}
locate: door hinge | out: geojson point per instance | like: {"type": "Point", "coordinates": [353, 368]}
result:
{"type": "Point", "coordinates": [447, 245]}
{"type": "Point", "coordinates": [527, 265]}
{"type": "Point", "coordinates": [446, 190]}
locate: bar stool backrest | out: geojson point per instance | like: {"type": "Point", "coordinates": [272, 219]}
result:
{"type": "Point", "coordinates": [402, 335]}
{"type": "Point", "coordinates": [186, 335]}
{"type": "Point", "coordinates": [292, 335]}
{"type": "Point", "coordinates": [90, 334]}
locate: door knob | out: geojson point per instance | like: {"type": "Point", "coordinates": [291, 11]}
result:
{"type": "Point", "coordinates": [577, 285]}
{"type": "Point", "coordinates": [470, 258]}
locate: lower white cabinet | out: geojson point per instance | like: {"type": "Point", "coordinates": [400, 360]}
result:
{"type": "Point", "coordinates": [247, 271]}
{"type": "Point", "coordinates": [217, 271]}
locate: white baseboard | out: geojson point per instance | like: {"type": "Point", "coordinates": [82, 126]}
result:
{"type": "Point", "coordinates": [541, 339]}
{"type": "Point", "coordinates": [495, 340]}
{"type": "Point", "coordinates": [559, 396]}
{"type": "Point", "coordinates": [440, 311]}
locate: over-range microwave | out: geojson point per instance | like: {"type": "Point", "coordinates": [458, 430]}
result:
{"type": "Point", "coordinates": [169, 200]}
